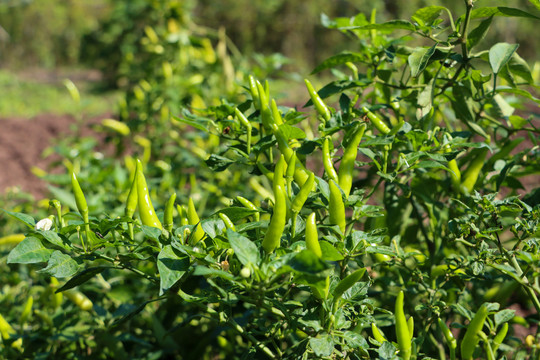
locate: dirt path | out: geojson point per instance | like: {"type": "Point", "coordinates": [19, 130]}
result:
{"type": "Point", "coordinates": [22, 142]}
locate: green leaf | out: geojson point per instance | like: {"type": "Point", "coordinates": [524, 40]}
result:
{"type": "Point", "coordinates": [389, 25]}
{"type": "Point", "coordinates": [292, 132]}
{"type": "Point", "coordinates": [322, 346]}
{"type": "Point", "coordinates": [218, 163]}
{"type": "Point", "coordinates": [347, 282]}
{"type": "Point", "coordinates": [235, 213]}
{"type": "Point", "coordinates": [60, 265]}
{"type": "Point", "coordinates": [306, 262]}
{"type": "Point", "coordinates": [246, 251]}
{"type": "Point", "coordinates": [151, 232]}
{"type": "Point", "coordinates": [29, 251]}
{"type": "Point", "coordinates": [55, 239]}
{"type": "Point", "coordinates": [329, 252]}
{"type": "Point", "coordinates": [504, 316]}
{"type": "Point", "coordinates": [25, 219]}
{"type": "Point", "coordinates": [82, 277]}
{"type": "Point", "coordinates": [521, 92]}
{"type": "Point", "coordinates": [500, 54]}
{"type": "Point", "coordinates": [518, 66]}
{"type": "Point", "coordinates": [427, 15]}
{"type": "Point", "coordinates": [419, 59]}
{"type": "Point", "coordinates": [190, 119]}
{"type": "Point", "coordinates": [501, 11]}
{"type": "Point", "coordinates": [339, 59]}
{"type": "Point", "coordinates": [478, 33]}
{"type": "Point", "coordinates": [171, 267]}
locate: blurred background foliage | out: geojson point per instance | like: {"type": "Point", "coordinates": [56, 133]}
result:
{"type": "Point", "coordinates": [49, 33]}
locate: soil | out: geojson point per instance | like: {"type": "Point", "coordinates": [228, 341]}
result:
{"type": "Point", "coordinates": [22, 142]}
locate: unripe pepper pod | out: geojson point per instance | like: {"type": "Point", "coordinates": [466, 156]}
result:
{"type": "Point", "coordinates": [248, 204]}
{"type": "Point", "coordinates": [327, 161]}
{"type": "Point", "coordinates": [320, 106]}
{"type": "Point", "coordinates": [302, 195]}
{"type": "Point", "coordinates": [254, 92]}
{"type": "Point", "coordinates": [272, 237]}
{"type": "Point", "coordinates": [227, 221]}
{"type": "Point", "coordinates": [312, 238]}
{"type": "Point", "coordinates": [377, 334]}
{"type": "Point", "coordinates": [337, 207]}
{"type": "Point", "coordinates": [82, 206]}
{"type": "Point", "coordinates": [132, 199]}
{"type": "Point", "coordinates": [146, 209]}
{"type": "Point", "coordinates": [402, 329]}
{"type": "Point", "coordinates": [193, 219]}
{"type": "Point", "coordinates": [450, 339]}
{"type": "Point", "coordinates": [245, 122]}
{"type": "Point", "coordinates": [168, 215]}
{"type": "Point", "coordinates": [378, 123]}
{"type": "Point", "coordinates": [346, 167]}
{"type": "Point", "coordinates": [471, 338]}
{"type": "Point", "coordinates": [473, 171]}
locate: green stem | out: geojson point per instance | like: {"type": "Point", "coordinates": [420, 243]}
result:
{"type": "Point", "coordinates": [525, 282]}
{"type": "Point", "coordinates": [250, 337]}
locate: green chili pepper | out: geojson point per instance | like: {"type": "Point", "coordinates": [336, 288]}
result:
{"type": "Point", "coordinates": [56, 297]}
{"type": "Point", "coordinates": [320, 106]}
{"type": "Point", "coordinates": [499, 338]}
{"type": "Point", "coordinates": [248, 204]}
{"type": "Point", "coordinates": [473, 171]}
{"type": "Point", "coordinates": [168, 214]}
{"type": "Point", "coordinates": [279, 217]}
{"type": "Point", "coordinates": [471, 338]}
{"type": "Point", "coordinates": [276, 115]}
{"type": "Point", "coordinates": [302, 195]}
{"type": "Point", "coordinates": [132, 199]}
{"type": "Point", "coordinates": [402, 329]}
{"type": "Point", "coordinates": [6, 330]}
{"type": "Point", "coordinates": [300, 173]}
{"type": "Point", "coordinates": [347, 282]}
{"type": "Point", "coordinates": [450, 339]}
{"type": "Point", "coordinates": [146, 209]}
{"type": "Point", "coordinates": [378, 123]}
{"type": "Point", "coordinates": [247, 124]}
{"type": "Point", "coordinates": [79, 299]}
{"type": "Point", "coordinates": [27, 310]}
{"type": "Point", "coordinates": [377, 334]}
{"type": "Point", "coordinates": [346, 167]}
{"type": "Point", "coordinates": [327, 161]}
{"type": "Point", "coordinates": [193, 219]}
{"type": "Point", "coordinates": [410, 326]}
{"type": "Point", "coordinates": [336, 207]}
{"type": "Point", "coordinates": [289, 174]}
{"type": "Point", "coordinates": [82, 206]}
{"type": "Point", "coordinates": [312, 238]}
{"type": "Point", "coordinates": [228, 223]}
{"type": "Point", "coordinates": [254, 92]}
{"type": "Point", "coordinates": [182, 214]}
{"type": "Point", "coordinates": [266, 113]}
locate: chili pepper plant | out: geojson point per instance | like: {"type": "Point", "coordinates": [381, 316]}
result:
{"type": "Point", "coordinates": [386, 218]}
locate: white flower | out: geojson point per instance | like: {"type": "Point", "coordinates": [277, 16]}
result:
{"type": "Point", "coordinates": [44, 224]}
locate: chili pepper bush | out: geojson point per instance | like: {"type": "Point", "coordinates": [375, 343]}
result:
{"type": "Point", "coordinates": [388, 220]}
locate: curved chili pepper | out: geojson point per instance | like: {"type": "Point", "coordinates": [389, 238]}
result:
{"type": "Point", "coordinates": [227, 221]}
{"type": "Point", "coordinates": [303, 194]}
{"type": "Point", "coordinates": [450, 339]}
{"type": "Point", "coordinates": [132, 199]}
{"type": "Point", "coordinates": [82, 206]}
{"type": "Point", "coordinates": [279, 217]}
{"type": "Point", "coordinates": [146, 209]}
{"type": "Point", "coordinates": [245, 122]}
{"type": "Point", "coordinates": [193, 219]}
{"type": "Point", "coordinates": [471, 338]}
{"type": "Point", "coordinates": [377, 333]}
{"type": "Point", "coordinates": [498, 339]}
{"type": "Point", "coordinates": [266, 113]}
{"type": "Point", "coordinates": [312, 238]}
{"type": "Point", "coordinates": [168, 214]}
{"type": "Point", "coordinates": [320, 106]}
{"type": "Point", "coordinates": [402, 329]}
{"type": "Point", "coordinates": [378, 123]}
{"type": "Point", "coordinates": [327, 161]}
{"type": "Point", "coordinates": [346, 167]}
{"type": "Point", "coordinates": [473, 171]}
{"type": "Point", "coordinates": [254, 92]}
{"type": "Point", "coordinates": [248, 204]}
{"type": "Point", "coordinates": [337, 207]}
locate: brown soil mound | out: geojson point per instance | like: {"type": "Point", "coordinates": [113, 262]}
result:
{"type": "Point", "coordinates": [22, 142]}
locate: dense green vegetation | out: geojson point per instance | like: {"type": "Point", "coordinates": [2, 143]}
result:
{"type": "Point", "coordinates": [390, 214]}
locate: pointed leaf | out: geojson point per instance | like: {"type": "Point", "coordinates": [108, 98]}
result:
{"type": "Point", "coordinates": [82, 277]}
{"type": "Point", "coordinates": [428, 14]}
{"type": "Point", "coordinates": [500, 54]}
{"type": "Point", "coordinates": [338, 59]}
{"type": "Point", "coordinates": [25, 219]}
{"type": "Point", "coordinates": [478, 33]}
{"type": "Point", "coordinates": [171, 267]}
{"type": "Point", "coordinates": [246, 251]}
{"type": "Point", "coordinates": [322, 346]}
{"type": "Point", "coordinates": [419, 59]}
{"type": "Point", "coordinates": [29, 251]}
{"type": "Point", "coordinates": [60, 265]}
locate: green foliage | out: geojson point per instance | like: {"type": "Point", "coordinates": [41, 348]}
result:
{"type": "Point", "coordinates": [433, 230]}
